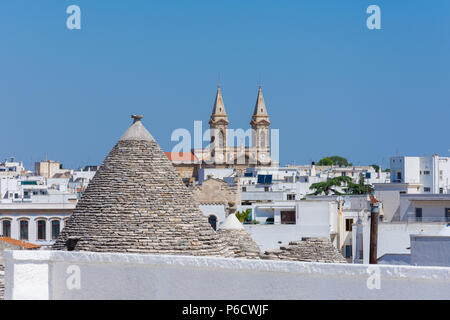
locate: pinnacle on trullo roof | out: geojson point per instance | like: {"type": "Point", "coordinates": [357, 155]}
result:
{"type": "Point", "coordinates": [137, 202]}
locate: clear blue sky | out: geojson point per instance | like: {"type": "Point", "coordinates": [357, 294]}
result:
{"type": "Point", "coordinates": [331, 86]}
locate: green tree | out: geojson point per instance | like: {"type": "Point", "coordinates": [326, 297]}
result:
{"type": "Point", "coordinates": [334, 160]}
{"type": "Point", "coordinates": [244, 215]}
{"type": "Point", "coordinates": [359, 188]}
{"type": "Point", "coordinates": [330, 186]}
{"type": "Point", "coordinates": [376, 167]}
{"type": "Point", "coordinates": [325, 162]}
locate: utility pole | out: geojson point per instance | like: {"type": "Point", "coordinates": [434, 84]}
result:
{"type": "Point", "coordinates": [374, 214]}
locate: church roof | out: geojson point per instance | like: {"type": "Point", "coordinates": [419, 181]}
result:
{"type": "Point", "coordinates": [137, 202]}
{"type": "Point", "coordinates": [219, 113]}
{"type": "Point", "coordinates": [181, 157]}
{"type": "Point", "coordinates": [260, 111]}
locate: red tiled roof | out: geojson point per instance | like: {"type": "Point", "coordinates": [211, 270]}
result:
{"type": "Point", "coordinates": [181, 156]}
{"type": "Point", "coordinates": [19, 243]}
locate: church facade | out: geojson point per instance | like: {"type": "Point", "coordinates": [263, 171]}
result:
{"type": "Point", "coordinates": [228, 147]}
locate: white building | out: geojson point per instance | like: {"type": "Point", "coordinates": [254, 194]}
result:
{"type": "Point", "coordinates": [292, 220]}
{"type": "Point", "coordinates": [11, 168]}
{"type": "Point", "coordinates": [414, 207]}
{"type": "Point", "coordinates": [38, 223]}
{"type": "Point", "coordinates": [34, 208]}
{"type": "Point", "coordinates": [325, 173]}
{"type": "Point", "coordinates": [430, 174]}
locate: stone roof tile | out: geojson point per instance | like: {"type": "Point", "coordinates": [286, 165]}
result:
{"type": "Point", "coordinates": [137, 202]}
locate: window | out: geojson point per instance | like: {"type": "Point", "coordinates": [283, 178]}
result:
{"type": "Point", "coordinates": [6, 228]}
{"type": "Point", "coordinates": [266, 189]}
{"type": "Point", "coordinates": [55, 229]}
{"type": "Point", "coordinates": [426, 172]}
{"type": "Point", "coordinates": [41, 230]}
{"type": "Point", "coordinates": [348, 251]}
{"type": "Point", "coordinates": [221, 139]}
{"type": "Point", "coordinates": [426, 189]}
{"type": "Point", "coordinates": [23, 230]}
{"type": "Point", "coordinates": [244, 189]}
{"type": "Point", "coordinates": [265, 178]}
{"type": "Point", "coordinates": [418, 214]}
{"type": "Point", "coordinates": [213, 221]}
{"type": "Point", "coordinates": [447, 214]}
{"type": "Point", "coordinates": [291, 196]}
{"type": "Point", "coordinates": [348, 224]}
{"type": "Point", "coordinates": [287, 217]}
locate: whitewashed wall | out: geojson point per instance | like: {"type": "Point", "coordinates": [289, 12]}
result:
{"type": "Point", "coordinates": [86, 275]}
{"type": "Point", "coordinates": [394, 238]}
{"type": "Point", "coordinates": [217, 210]}
{"type": "Point", "coordinates": [430, 250]}
{"type": "Point", "coordinates": [313, 219]}
{"type": "Point", "coordinates": [272, 236]}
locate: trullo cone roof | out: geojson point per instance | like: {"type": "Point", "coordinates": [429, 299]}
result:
{"type": "Point", "coordinates": [240, 242]}
{"type": "Point", "coordinates": [137, 203]}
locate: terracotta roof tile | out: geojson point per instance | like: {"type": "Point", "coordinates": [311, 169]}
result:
{"type": "Point", "coordinates": [181, 156]}
{"type": "Point", "coordinates": [19, 243]}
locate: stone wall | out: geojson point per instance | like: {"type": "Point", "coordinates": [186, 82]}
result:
{"type": "Point", "coordinates": [217, 191]}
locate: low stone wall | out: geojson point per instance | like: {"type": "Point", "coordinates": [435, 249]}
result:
{"type": "Point", "coordinates": [87, 275]}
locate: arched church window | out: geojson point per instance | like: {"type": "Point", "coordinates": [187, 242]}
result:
{"type": "Point", "coordinates": [221, 138]}
{"type": "Point", "coordinates": [262, 139]}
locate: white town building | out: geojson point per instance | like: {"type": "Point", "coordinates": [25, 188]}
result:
{"type": "Point", "coordinates": [428, 174]}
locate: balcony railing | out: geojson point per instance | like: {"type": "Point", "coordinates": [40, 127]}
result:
{"type": "Point", "coordinates": [411, 217]}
